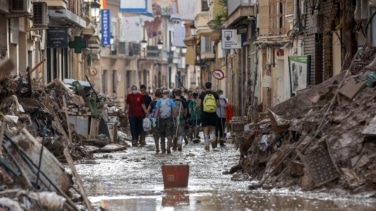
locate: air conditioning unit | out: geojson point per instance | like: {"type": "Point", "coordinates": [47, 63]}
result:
{"type": "Point", "coordinates": [24, 7]}
{"type": "Point", "coordinates": [40, 14]}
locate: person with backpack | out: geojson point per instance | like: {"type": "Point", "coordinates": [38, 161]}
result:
{"type": "Point", "coordinates": [181, 111]}
{"type": "Point", "coordinates": [165, 114]}
{"type": "Point", "coordinates": [136, 109]}
{"type": "Point", "coordinates": [195, 119]}
{"type": "Point", "coordinates": [188, 122]}
{"type": "Point", "coordinates": [221, 113]}
{"type": "Point", "coordinates": [155, 123]}
{"type": "Point", "coordinates": [208, 102]}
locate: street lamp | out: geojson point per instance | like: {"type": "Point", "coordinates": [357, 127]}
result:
{"type": "Point", "coordinates": [160, 45]}
{"type": "Point", "coordinates": [94, 9]}
{"type": "Point", "coordinates": [173, 48]}
{"type": "Point", "coordinates": [184, 50]}
{"type": "Point", "coordinates": [144, 43]}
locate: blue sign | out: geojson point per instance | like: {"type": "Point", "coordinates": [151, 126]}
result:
{"type": "Point", "coordinates": [105, 27]}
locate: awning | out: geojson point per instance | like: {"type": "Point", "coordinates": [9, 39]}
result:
{"type": "Point", "coordinates": [65, 16]}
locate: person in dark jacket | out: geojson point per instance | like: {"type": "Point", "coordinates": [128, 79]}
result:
{"type": "Point", "coordinates": [147, 101]}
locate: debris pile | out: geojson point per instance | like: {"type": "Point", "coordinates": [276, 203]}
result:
{"type": "Point", "coordinates": [325, 137]}
{"type": "Point", "coordinates": [42, 125]}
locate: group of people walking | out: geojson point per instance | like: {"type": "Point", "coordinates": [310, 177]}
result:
{"type": "Point", "coordinates": [176, 117]}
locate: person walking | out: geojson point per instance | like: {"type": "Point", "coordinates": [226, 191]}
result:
{"type": "Point", "coordinates": [181, 111]}
{"type": "Point", "coordinates": [155, 122]}
{"type": "Point", "coordinates": [195, 118]}
{"type": "Point", "coordinates": [208, 101]}
{"type": "Point", "coordinates": [221, 121]}
{"type": "Point", "coordinates": [188, 123]}
{"type": "Point", "coordinates": [136, 109]}
{"type": "Point", "coordinates": [165, 114]}
{"type": "Point", "coordinates": [147, 101]}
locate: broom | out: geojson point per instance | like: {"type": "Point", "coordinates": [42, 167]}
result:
{"type": "Point", "coordinates": [196, 139]}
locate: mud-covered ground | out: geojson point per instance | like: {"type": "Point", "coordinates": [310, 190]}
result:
{"type": "Point", "coordinates": [132, 180]}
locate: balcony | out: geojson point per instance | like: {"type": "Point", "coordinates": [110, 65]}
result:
{"type": "Point", "coordinates": [238, 9]}
{"type": "Point", "coordinates": [66, 17]}
{"type": "Point", "coordinates": [56, 4]}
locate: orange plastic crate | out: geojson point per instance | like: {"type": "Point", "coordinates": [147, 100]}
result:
{"type": "Point", "coordinates": [175, 176]}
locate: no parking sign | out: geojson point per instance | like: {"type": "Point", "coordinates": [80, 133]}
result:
{"type": "Point", "coordinates": [218, 74]}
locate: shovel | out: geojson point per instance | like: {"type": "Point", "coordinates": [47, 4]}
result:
{"type": "Point", "coordinates": [196, 139]}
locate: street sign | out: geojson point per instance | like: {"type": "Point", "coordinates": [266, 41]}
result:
{"type": "Point", "coordinates": [230, 39]}
{"type": "Point", "coordinates": [218, 74]}
{"type": "Point", "coordinates": [105, 27]}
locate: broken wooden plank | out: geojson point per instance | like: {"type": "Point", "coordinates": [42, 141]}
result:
{"type": "Point", "coordinates": [370, 129]}
{"type": "Point", "coordinates": [36, 66]}
{"type": "Point", "coordinates": [58, 123]}
{"type": "Point", "coordinates": [50, 165]}
{"type": "Point", "coordinates": [65, 109]}
{"type": "Point", "coordinates": [78, 178]}
{"type": "Point", "coordinates": [351, 88]}
{"type": "Point", "coordinates": [94, 128]}
{"type": "Point", "coordinates": [1, 136]}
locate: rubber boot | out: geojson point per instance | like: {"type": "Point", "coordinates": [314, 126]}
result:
{"type": "Point", "coordinates": [175, 143]}
{"type": "Point", "coordinates": [214, 143]}
{"type": "Point", "coordinates": [207, 147]}
{"type": "Point", "coordinates": [163, 145]}
{"type": "Point", "coordinates": [169, 145]}
{"type": "Point", "coordinates": [222, 143]}
{"type": "Point", "coordinates": [134, 143]}
{"type": "Point", "coordinates": [142, 139]}
{"type": "Point", "coordinates": [180, 143]}
{"type": "Point", "coordinates": [156, 145]}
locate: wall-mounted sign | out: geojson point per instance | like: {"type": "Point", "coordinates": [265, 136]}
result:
{"type": "Point", "coordinates": [218, 74]}
{"type": "Point", "coordinates": [299, 68]}
{"type": "Point", "coordinates": [231, 39]}
{"type": "Point", "coordinates": [139, 6]}
{"type": "Point", "coordinates": [105, 27]}
{"type": "Point", "coordinates": [57, 37]}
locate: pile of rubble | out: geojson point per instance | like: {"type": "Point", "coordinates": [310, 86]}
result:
{"type": "Point", "coordinates": [41, 126]}
{"type": "Point", "coordinates": [323, 138]}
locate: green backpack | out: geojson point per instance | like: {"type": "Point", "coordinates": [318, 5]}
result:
{"type": "Point", "coordinates": [210, 104]}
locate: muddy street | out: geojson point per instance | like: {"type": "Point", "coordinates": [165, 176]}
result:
{"type": "Point", "coordinates": [132, 180]}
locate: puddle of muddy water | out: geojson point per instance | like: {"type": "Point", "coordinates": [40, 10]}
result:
{"type": "Point", "coordinates": [132, 180]}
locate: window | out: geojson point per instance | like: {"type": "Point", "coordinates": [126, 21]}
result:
{"type": "Point", "coordinates": [128, 79]}
{"type": "Point", "coordinates": [104, 82]}
{"type": "Point", "coordinates": [114, 81]}
{"type": "Point", "coordinates": [204, 6]}
{"type": "Point", "coordinates": [280, 14]}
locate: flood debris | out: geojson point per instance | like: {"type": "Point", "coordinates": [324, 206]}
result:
{"type": "Point", "coordinates": [42, 127]}
{"type": "Point", "coordinates": [322, 138]}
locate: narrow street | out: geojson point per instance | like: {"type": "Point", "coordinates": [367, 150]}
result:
{"type": "Point", "coordinates": [132, 180]}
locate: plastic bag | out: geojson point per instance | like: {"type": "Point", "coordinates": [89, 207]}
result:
{"type": "Point", "coordinates": [146, 124]}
